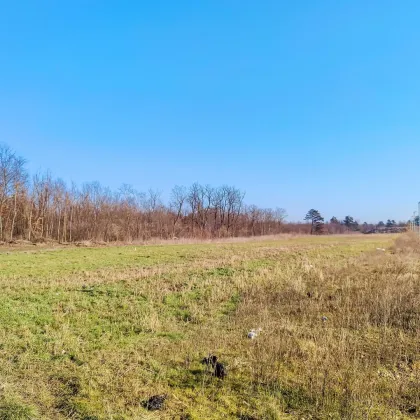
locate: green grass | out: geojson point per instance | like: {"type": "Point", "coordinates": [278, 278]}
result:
{"type": "Point", "coordinates": [90, 333]}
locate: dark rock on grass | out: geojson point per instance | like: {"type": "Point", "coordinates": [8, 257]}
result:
{"type": "Point", "coordinates": [75, 360]}
{"type": "Point", "coordinates": [156, 402]}
{"type": "Point", "coordinates": [209, 361]}
{"type": "Point", "coordinates": [218, 369]}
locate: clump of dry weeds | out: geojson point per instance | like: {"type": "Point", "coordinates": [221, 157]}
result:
{"type": "Point", "coordinates": [407, 243]}
{"type": "Point", "coordinates": [341, 336]}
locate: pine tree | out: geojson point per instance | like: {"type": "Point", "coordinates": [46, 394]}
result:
{"type": "Point", "coordinates": [317, 221]}
{"type": "Point", "coordinates": [390, 223]}
{"type": "Point", "coordinates": [349, 222]}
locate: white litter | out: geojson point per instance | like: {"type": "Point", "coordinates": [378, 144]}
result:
{"type": "Point", "coordinates": [381, 249]}
{"type": "Point", "coordinates": [254, 333]}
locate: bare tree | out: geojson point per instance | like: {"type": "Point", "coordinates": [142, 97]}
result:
{"type": "Point", "coordinates": [177, 204]}
{"type": "Point", "coordinates": [12, 178]}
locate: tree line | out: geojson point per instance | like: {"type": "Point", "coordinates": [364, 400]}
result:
{"type": "Point", "coordinates": [348, 224]}
{"type": "Point", "coordinates": [39, 208]}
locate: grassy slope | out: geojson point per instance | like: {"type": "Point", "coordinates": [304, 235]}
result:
{"type": "Point", "coordinates": [89, 333]}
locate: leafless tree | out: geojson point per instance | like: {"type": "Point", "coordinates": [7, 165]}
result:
{"type": "Point", "coordinates": [177, 205]}
{"type": "Point", "coordinates": [13, 179]}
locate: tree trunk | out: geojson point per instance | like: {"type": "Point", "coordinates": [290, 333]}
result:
{"type": "Point", "coordinates": [14, 218]}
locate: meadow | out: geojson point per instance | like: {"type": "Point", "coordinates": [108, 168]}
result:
{"type": "Point", "coordinates": [91, 333]}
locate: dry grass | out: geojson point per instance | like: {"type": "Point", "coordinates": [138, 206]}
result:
{"type": "Point", "coordinates": [91, 333]}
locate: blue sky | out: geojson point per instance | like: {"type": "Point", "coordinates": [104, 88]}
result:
{"type": "Point", "coordinates": [301, 104]}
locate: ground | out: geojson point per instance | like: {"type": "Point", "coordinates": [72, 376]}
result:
{"type": "Point", "coordinates": [92, 333]}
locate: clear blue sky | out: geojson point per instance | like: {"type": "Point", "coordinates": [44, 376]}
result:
{"type": "Point", "coordinates": [301, 103]}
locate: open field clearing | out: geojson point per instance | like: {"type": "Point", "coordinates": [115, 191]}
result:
{"type": "Point", "coordinates": [91, 333]}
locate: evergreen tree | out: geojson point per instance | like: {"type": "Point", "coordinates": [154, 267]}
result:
{"type": "Point", "coordinates": [349, 222]}
{"type": "Point", "coordinates": [317, 221]}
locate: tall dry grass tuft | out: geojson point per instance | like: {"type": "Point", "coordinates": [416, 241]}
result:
{"type": "Point", "coordinates": [341, 338]}
{"type": "Point", "coordinates": [407, 243]}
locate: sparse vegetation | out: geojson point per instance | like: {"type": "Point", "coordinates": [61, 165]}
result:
{"type": "Point", "coordinates": [93, 333]}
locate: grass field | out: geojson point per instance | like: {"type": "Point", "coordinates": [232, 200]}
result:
{"type": "Point", "coordinates": [90, 333]}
